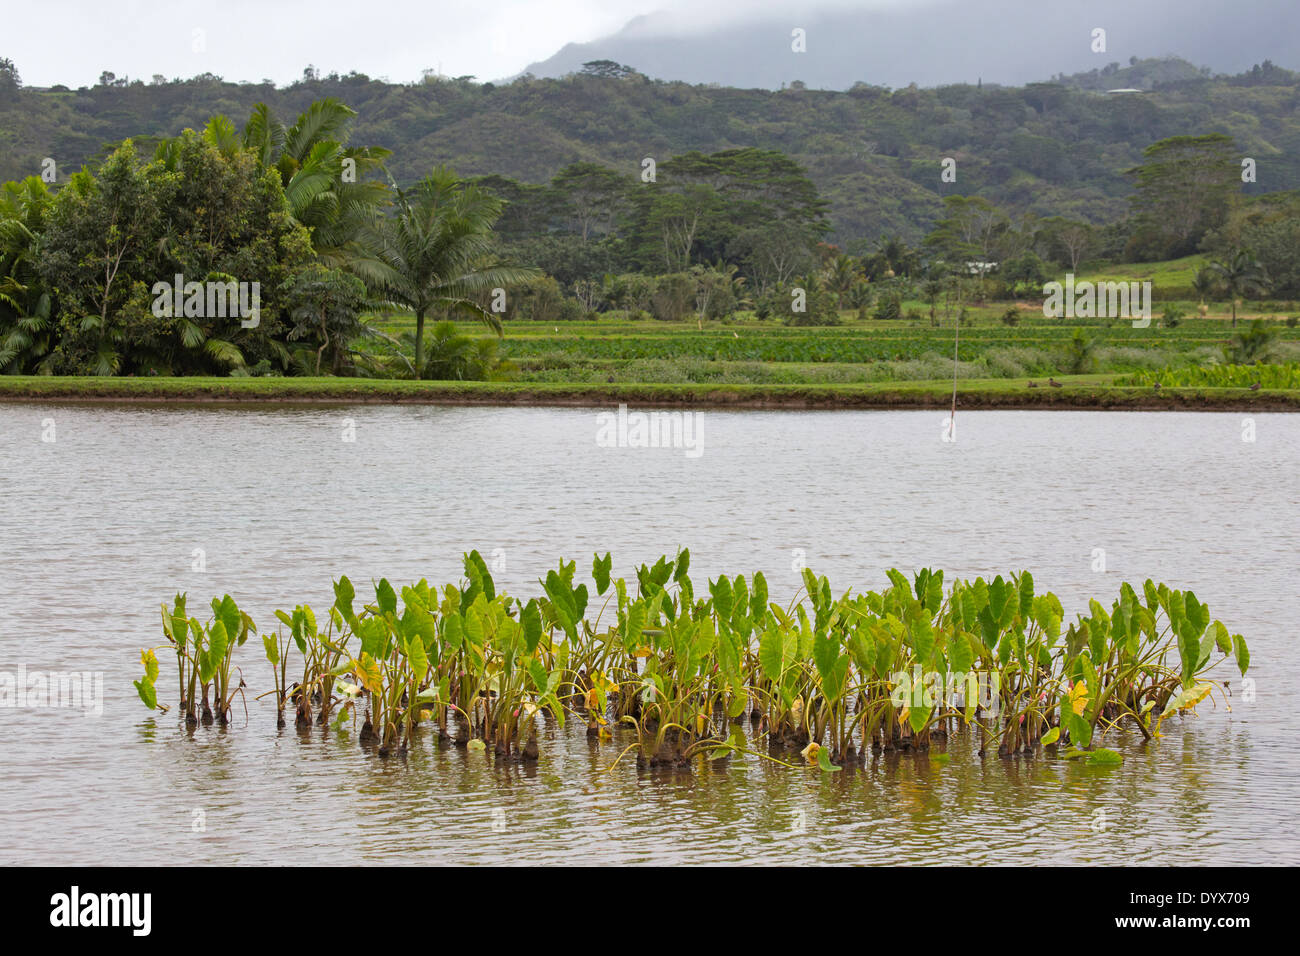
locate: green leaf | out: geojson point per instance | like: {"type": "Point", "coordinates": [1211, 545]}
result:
{"type": "Point", "coordinates": [771, 654]}
{"type": "Point", "coordinates": [1051, 737]}
{"type": "Point", "coordinates": [960, 655]}
{"type": "Point", "coordinates": [148, 693]}
{"type": "Point", "coordinates": [1104, 758]}
{"type": "Point", "coordinates": [918, 717]}
{"type": "Point", "coordinates": [1243, 653]}
{"type": "Point", "coordinates": [386, 597]}
{"type": "Point", "coordinates": [600, 568]}
{"type": "Point", "coordinates": [824, 761]}
{"type": "Point", "coordinates": [531, 620]}
{"type": "Point", "coordinates": [272, 649]}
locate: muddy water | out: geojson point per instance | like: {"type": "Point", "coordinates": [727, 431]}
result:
{"type": "Point", "coordinates": [123, 507]}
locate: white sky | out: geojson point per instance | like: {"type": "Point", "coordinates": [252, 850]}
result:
{"type": "Point", "coordinates": [73, 41]}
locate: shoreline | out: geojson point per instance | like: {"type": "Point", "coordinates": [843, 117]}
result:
{"type": "Point", "coordinates": [979, 395]}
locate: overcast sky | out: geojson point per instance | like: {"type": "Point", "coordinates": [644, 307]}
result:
{"type": "Point", "coordinates": [73, 41]}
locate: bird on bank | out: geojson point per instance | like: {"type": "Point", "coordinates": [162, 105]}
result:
{"type": "Point", "coordinates": [1054, 383]}
{"type": "Point", "coordinates": [1255, 387]}
{"type": "Point", "coordinates": [1157, 386]}
{"type": "Point", "coordinates": [1033, 384]}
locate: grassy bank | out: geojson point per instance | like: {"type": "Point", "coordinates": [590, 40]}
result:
{"type": "Point", "coordinates": [1082, 391]}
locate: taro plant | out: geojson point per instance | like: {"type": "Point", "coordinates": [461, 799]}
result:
{"type": "Point", "coordinates": [204, 660]}
{"type": "Point", "coordinates": [909, 667]}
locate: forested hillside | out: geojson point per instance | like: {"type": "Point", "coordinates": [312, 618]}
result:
{"type": "Point", "coordinates": [1052, 149]}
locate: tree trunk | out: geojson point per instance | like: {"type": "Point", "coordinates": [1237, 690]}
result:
{"type": "Point", "coordinates": [419, 343]}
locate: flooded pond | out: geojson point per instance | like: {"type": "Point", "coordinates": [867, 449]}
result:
{"type": "Point", "coordinates": [106, 511]}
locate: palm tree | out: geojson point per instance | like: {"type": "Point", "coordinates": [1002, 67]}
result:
{"type": "Point", "coordinates": [1240, 274]}
{"type": "Point", "coordinates": [325, 181]}
{"type": "Point", "coordinates": [26, 329]}
{"type": "Point", "coordinates": [436, 253]}
{"type": "Point", "coordinates": [1204, 283]}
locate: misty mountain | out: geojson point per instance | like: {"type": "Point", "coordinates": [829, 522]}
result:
{"type": "Point", "coordinates": [934, 42]}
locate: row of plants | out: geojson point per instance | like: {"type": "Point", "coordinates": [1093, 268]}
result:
{"type": "Point", "coordinates": [828, 677]}
{"type": "Point", "coordinates": [1286, 375]}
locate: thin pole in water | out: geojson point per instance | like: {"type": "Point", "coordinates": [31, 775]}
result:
{"type": "Point", "coordinates": [956, 337]}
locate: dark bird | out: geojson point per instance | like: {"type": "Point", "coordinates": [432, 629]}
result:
{"type": "Point", "coordinates": [1157, 386]}
{"type": "Point", "coordinates": [1054, 383]}
{"type": "Point", "coordinates": [1255, 387]}
{"type": "Point", "coordinates": [1033, 384]}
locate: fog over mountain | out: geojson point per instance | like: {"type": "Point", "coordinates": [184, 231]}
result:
{"type": "Point", "coordinates": [933, 42]}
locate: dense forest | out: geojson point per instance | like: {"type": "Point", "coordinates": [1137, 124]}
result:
{"type": "Point", "coordinates": [131, 249]}
{"type": "Point", "coordinates": [874, 154]}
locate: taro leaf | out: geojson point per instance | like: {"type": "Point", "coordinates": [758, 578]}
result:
{"type": "Point", "coordinates": [1243, 653]}
{"type": "Point", "coordinates": [453, 633]}
{"type": "Point", "coordinates": [1104, 758]}
{"type": "Point", "coordinates": [1080, 730]}
{"type": "Point", "coordinates": [148, 693]}
{"type": "Point", "coordinates": [722, 597]}
{"type": "Point", "coordinates": [386, 597]}
{"type": "Point", "coordinates": [632, 630]}
{"type": "Point", "coordinates": [1051, 737]}
{"type": "Point", "coordinates": [1198, 615]}
{"type": "Point", "coordinates": [227, 612]}
{"type": "Point", "coordinates": [475, 633]}
{"type": "Point", "coordinates": [600, 568]}
{"type": "Point", "coordinates": [579, 603]}
{"type": "Point", "coordinates": [1189, 649]}
{"type": "Point", "coordinates": [960, 655]}
{"type": "Point", "coordinates": [739, 599]}
{"type": "Point", "coordinates": [1222, 638]}
{"type": "Point", "coordinates": [758, 600]}
{"type": "Point", "coordinates": [210, 658]}
{"type": "Point", "coordinates": [1188, 698]}
{"type": "Point", "coordinates": [537, 672]}
{"type": "Point", "coordinates": [367, 671]}
{"type": "Point", "coordinates": [150, 661]}
{"type": "Point", "coordinates": [770, 654]}
{"type": "Point", "coordinates": [561, 597]}
{"type": "Point", "coordinates": [476, 745]}
{"type": "Point", "coordinates": [483, 577]}
{"type": "Point", "coordinates": [531, 620]}
{"type": "Point", "coordinates": [922, 634]}
{"type": "Point", "coordinates": [416, 657]}
{"type": "Point", "coordinates": [344, 593]}
{"type": "Point", "coordinates": [934, 592]}
{"type": "Point", "coordinates": [374, 637]}
{"type": "Point", "coordinates": [918, 717]}
{"type": "Point", "coordinates": [1026, 594]}
{"type": "Point", "coordinates": [998, 594]}
{"type": "Point", "coordinates": [834, 681]}
{"type": "Point", "coordinates": [824, 761]}
{"type": "Point", "coordinates": [272, 649]}
{"type": "Point", "coordinates": [898, 580]}
{"type": "Point", "coordinates": [683, 565]}
{"type": "Point", "coordinates": [825, 652]}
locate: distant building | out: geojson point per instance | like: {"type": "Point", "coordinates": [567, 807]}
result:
{"type": "Point", "coordinates": [981, 267]}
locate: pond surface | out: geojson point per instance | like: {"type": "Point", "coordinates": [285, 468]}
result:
{"type": "Point", "coordinates": [101, 525]}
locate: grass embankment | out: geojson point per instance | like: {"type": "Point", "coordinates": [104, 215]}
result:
{"type": "Point", "coordinates": [1084, 391]}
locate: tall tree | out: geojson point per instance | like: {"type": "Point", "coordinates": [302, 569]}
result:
{"type": "Point", "coordinates": [1240, 275]}
{"type": "Point", "coordinates": [436, 253]}
{"type": "Point", "coordinates": [1186, 186]}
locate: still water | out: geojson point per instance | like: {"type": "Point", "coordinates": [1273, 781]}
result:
{"type": "Point", "coordinates": [115, 513]}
